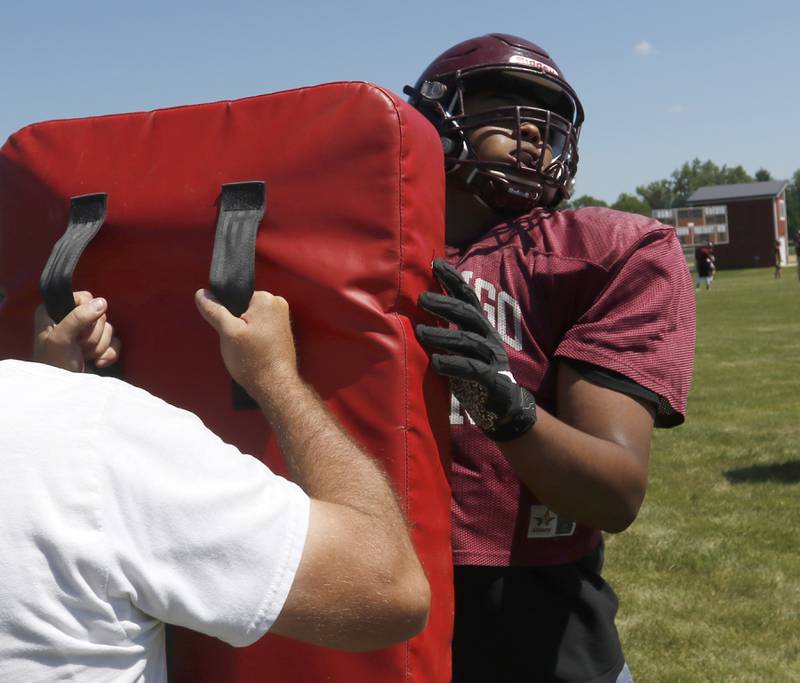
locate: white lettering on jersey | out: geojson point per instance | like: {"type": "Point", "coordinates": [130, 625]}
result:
{"type": "Point", "coordinates": [497, 308]}
{"type": "Point", "coordinates": [455, 411]}
{"type": "Point", "coordinates": [456, 414]}
{"type": "Point", "coordinates": [506, 301]}
{"type": "Point", "coordinates": [491, 294]}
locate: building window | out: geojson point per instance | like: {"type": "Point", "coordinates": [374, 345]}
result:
{"type": "Point", "coordinates": [697, 225]}
{"type": "Point", "coordinates": [782, 209]}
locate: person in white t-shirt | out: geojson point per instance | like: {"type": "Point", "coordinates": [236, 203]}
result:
{"type": "Point", "coordinates": [121, 512]}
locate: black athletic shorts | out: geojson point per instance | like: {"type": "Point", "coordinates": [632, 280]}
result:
{"type": "Point", "coordinates": [536, 624]}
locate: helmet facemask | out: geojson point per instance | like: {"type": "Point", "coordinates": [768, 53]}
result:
{"type": "Point", "coordinates": [540, 171]}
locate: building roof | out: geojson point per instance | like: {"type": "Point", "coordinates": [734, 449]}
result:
{"type": "Point", "coordinates": [738, 192]}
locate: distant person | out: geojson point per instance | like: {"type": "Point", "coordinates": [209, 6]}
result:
{"type": "Point", "coordinates": [778, 259]}
{"type": "Point", "coordinates": [712, 262]}
{"type": "Point", "coordinates": [797, 252]}
{"type": "Point", "coordinates": [121, 512]}
{"type": "Point", "coordinates": [705, 264]}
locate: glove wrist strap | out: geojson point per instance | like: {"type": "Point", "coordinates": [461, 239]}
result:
{"type": "Point", "coordinates": [521, 422]}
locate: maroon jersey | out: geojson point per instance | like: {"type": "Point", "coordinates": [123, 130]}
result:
{"type": "Point", "coordinates": [702, 253]}
{"type": "Point", "coordinates": [595, 285]}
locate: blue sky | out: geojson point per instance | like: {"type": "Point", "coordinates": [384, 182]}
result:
{"type": "Point", "coordinates": [661, 83]}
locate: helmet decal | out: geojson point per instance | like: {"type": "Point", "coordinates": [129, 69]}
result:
{"type": "Point", "coordinates": [533, 63]}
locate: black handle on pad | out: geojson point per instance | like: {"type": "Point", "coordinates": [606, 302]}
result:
{"type": "Point", "coordinates": [232, 276]}
{"type": "Point", "coordinates": [86, 215]}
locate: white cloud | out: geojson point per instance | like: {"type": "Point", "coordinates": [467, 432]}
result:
{"type": "Point", "coordinates": [676, 109]}
{"type": "Point", "coordinates": [644, 49]}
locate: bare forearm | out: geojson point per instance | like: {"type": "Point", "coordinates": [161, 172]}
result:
{"type": "Point", "coordinates": [582, 477]}
{"type": "Point", "coordinates": [379, 594]}
{"type": "Point", "coordinates": [322, 458]}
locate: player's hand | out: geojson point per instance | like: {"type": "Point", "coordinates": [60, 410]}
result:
{"type": "Point", "coordinates": [476, 362]}
{"type": "Point", "coordinates": [258, 347]}
{"type": "Point", "coordinates": [83, 335]}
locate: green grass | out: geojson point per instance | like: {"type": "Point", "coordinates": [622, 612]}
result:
{"type": "Point", "coordinates": [709, 574]}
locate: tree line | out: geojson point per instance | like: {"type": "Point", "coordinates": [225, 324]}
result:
{"type": "Point", "coordinates": [672, 192]}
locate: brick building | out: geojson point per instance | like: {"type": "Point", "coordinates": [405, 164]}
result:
{"type": "Point", "coordinates": [743, 221]}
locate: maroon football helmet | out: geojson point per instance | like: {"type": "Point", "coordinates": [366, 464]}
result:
{"type": "Point", "coordinates": [500, 63]}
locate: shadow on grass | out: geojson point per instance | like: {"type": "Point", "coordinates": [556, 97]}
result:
{"type": "Point", "coordinates": [784, 473]}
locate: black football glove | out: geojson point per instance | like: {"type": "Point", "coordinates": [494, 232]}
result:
{"type": "Point", "coordinates": [477, 362]}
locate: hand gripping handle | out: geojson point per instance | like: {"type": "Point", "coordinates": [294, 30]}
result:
{"type": "Point", "coordinates": [232, 276]}
{"type": "Point", "coordinates": [86, 215]}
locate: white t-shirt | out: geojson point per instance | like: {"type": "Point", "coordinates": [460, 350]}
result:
{"type": "Point", "coordinates": [119, 512]}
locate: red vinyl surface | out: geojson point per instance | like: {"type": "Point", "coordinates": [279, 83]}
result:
{"type": "Point", "coordinates": [355, 214]}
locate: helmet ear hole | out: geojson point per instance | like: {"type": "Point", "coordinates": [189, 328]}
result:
{"type": "Point", "coordinates": [455, 150]}
{"type": "Point", "coordinates": [433, 90]}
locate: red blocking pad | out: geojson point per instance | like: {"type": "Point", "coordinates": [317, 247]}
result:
{"type": "Point", "coordinates": [354, 216]}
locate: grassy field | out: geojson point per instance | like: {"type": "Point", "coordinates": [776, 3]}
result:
{"type": "Point", "coordinates": [709, 574]}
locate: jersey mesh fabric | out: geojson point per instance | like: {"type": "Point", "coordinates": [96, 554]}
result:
{"type": "Point", "coordinates": [595, 285]}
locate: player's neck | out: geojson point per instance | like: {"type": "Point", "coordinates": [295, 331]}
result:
{"type": "Point", "coordinates": [466, 216]}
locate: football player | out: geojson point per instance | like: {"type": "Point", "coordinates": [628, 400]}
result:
{"type": "Point", "coordinates": [705, 264]}
{"type": "Point", "coordinates": [571, 335]}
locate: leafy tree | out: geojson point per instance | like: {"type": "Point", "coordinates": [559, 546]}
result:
{"type": "Point", "coordinates": [762, 175]}
{"type": "Point", "coordinates": [696, 174]}
{"type": "Point", "coordinates": [672, 192]}
{"type": "Point", "coordinates": [585, 200]}
{"type": "Point", "coordinates": [793, 204]}
{"type": "Point", "coordinates": [632, 204]}
{"type": "Point", "coordinates": [658, 194]}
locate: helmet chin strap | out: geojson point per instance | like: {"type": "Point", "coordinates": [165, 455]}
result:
{"type": "Point", "coordinates": [506, 197]}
